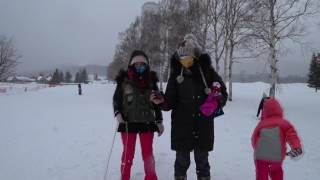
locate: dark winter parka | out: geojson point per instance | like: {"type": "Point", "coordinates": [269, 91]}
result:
{"type": "Point", "coordinates": [118, 104]}
{"type": "Point", "coordinates": [190, 129]}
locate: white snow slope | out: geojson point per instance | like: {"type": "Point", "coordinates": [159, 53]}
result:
{"type": "Point", "coordinates": [54, 134]}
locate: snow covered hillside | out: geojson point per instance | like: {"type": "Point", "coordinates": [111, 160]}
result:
{"type": "Point", "coordinates": [54, 134]}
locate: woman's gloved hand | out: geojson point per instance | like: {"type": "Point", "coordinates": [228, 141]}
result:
{"type": "Point", "coordinates": [160, 129]}
{"type": "Point", "coordinates": [222, 102]}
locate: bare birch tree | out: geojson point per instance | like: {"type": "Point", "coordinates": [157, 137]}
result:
{"type": "Point", "coordinates": [236, 15]}
{"type": "Point", "coordinates": [217, 32]}
{"type": "Point", "coordinates": [200, 21]}
{"type": "Point", "coordinates": [8, 57]}
{"type": "Point", "coordinates": [172, 18]}
{"type": "Point", "coordinates": [274, 22]}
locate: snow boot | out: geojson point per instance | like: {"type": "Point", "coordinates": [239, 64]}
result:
{"type": "Point", "coordinates": [203, 178]}
{"type": "Point", "coordinates": [180, 178]}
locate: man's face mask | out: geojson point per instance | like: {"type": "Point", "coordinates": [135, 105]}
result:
{"type": "Point", "coordinates": [140, 68]}
{"type": "Point", "coordinates": [186, 61]}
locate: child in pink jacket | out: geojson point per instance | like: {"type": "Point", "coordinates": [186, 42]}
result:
{"type": "Point", "coordinates": [269, 141]}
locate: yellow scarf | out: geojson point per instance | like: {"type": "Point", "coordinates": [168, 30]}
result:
{"type": "Point", "coordinates": [186, 61]}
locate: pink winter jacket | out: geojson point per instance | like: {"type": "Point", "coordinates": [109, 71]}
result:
{"type": "Point", "coordinates": [273, 124]}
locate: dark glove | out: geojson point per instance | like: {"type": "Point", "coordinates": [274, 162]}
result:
{"type": "Point", "coordinates": [156, 97]}
{"type": "Point", "coordinates": [294, 152]}
{"type": "Point", "coordinates": [222, 102]}
{"type": "Point", "coordinates": [160, 129]}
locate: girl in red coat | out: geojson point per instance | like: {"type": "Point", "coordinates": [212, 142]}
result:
{"type": "Point", "coordinates": [269, 141]}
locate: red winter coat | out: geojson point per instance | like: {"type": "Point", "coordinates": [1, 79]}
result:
{"type": "Point", "coordinates": [272, 133]}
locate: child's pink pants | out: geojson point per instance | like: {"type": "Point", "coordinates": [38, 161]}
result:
{"type": "Point", "coordinates": [265, 169]}
{"type": "Point", "coordinates": [129, 143]}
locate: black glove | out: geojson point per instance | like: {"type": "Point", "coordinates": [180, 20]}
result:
{"type": "Point", "coordinates": [294, 152]}
{"type": "Point", "coordinates": [222, 102]}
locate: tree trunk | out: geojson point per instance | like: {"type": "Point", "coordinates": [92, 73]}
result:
{"type": "Point", "coordinates": [226, 44]}
{"type": "Point", "coordinates": [273, 52]}
{"type": "Point", "coordinates": [161, 69]}
{"type": "Point", "coordinates": [273, 73]}
{"type": "Point", "coordinates": [225, 71]}
{"type": "Point", "coordinates": [167, 55]}
{"type": "Point", "coordinates": [230, 71]}
{"type": "Point", "coordinates": [216, 43]}
{"type": "Point", "coordinates": [206, 27]}
{"type": "Point", "coordinates": [216, 56]}
{"type": "Point", "coordinates": [217, 65]}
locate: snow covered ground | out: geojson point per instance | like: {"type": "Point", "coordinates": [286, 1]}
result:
{"type": "Point", "coordinates": [11, 88]}
{"type": "Point", "coordinates": [54, 134]}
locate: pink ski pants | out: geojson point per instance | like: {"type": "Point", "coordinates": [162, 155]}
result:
{"type": "Point", "coordinates": [129, 143]}
{"type": "Point", "coordinates": [265, 169]}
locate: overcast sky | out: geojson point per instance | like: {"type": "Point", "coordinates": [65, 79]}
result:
{"type": "Point", "coordinates": [53, 32]}
{"type": "Point", "coordinates": [50, 33]}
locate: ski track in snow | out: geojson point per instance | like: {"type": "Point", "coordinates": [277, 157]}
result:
{"type": "Point", "coordinates": [54, 134]}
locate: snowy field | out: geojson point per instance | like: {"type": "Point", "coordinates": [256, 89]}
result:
{"type": "Point", "coordinates": [54, 134]}
{"type": "Point", "coordinates": [10, 88]}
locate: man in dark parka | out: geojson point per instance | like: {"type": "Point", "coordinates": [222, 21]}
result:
{"type": "Point", "coordinates": [186, 91]}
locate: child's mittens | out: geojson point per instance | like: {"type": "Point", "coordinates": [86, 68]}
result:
{"type": "Point", "coordinates": [294, 152]}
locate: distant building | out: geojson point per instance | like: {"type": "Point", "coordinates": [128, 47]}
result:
{"type": "Point", "coordinates": [90, 77]}
{"type": "Point", "coordinates": [150, 7]}
{"type": "Point", "coordinates": [43, 79]}
{"type": "Point", "coordinates": [49, 78]}
{"type": "Point", "coordinates": [20, 79]}
{"type": "Point", "coordinates": [39, 78]}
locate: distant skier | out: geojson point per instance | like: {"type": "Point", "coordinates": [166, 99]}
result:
{"type": "Point", "coordinates": [269, 141]}
{"type": "Point", "coordinates": [79, 89]}
{"type": "Point", "coordinates": [136, 114]}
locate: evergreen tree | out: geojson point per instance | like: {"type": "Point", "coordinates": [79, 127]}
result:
{"type": "Point", "coordinates": [96, 77]}
{"type": "Point", "coordinates": [77, 78]}
{"type": "Point", "coordinates": [68, 77]}
{"type": "Point", "coordinates": [61, 77]}
{"type": "Point", "coordinates": [317, 76]}
{"type": "Point", "coordinates": [311, 75]}
{"type": "Point", "coordinates": [84, 76]}
{"type": "Point", "coordinates": [314, 72]}
{"type": "Point", "coordinates": [55, 77]}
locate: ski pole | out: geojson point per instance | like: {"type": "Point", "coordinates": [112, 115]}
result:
{"type": "Point", "coordinates": [110, 153]}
